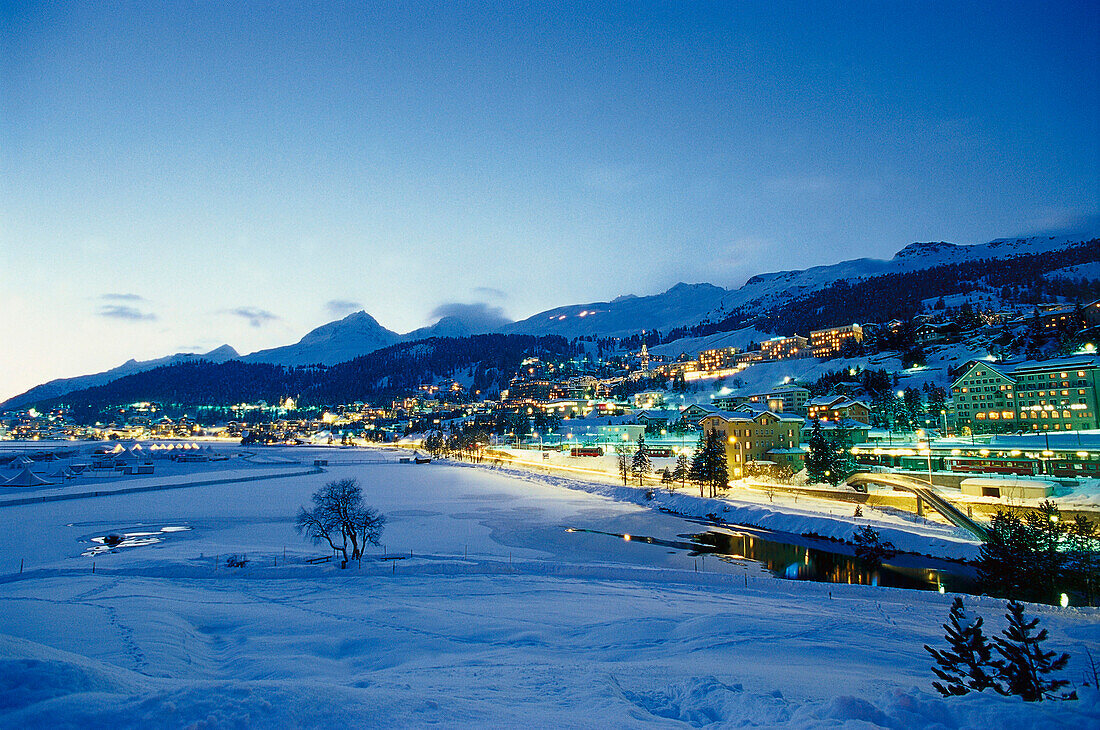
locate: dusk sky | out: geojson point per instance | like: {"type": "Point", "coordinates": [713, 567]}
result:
{"type": "Point", "coordinates": [175, 179]}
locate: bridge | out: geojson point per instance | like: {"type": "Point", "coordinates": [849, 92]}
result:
{"type": "Point", "coordinates": [925, 493]}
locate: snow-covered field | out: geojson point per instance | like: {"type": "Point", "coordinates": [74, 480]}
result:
{"type": "Point", "coordinates": [495, 615]}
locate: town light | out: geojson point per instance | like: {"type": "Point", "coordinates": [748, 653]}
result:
{"type": "Point", "coordinates": [1064, 601]}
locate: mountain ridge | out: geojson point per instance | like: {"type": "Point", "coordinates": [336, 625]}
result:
{"type": "Point", "coordinates": [682, 305]}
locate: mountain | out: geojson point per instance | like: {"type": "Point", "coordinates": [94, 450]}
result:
{"type": "Point", "coordinates": [624, 316]}
{"type": "Point", "coordinates": [474, 321]}
{"type": "Point", "coordinates": [769, 290]}
{"type": "Point", "coordinates": [354, 335]}
{"type": "Point", "coordinates": [64, 386]}
{"type": "Point", "coordinates": [781, 301]}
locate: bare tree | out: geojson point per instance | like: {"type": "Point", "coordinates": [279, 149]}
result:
{"type": "Point", "coordinates": [340, 519]}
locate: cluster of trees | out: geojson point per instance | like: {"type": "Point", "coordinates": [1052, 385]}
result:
{"type": "Point", "coordinates": [828, 460]}
{"type": "Point", "coordinates": [1039, 556]}
{"type": "Point", "coordinates": [967, 664]}
{"type": "Point", "coordinates": [466, 443]}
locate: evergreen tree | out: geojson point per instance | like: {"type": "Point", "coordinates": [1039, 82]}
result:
{"type": "Point", "coordinates": [640, 464]}
{"type": "Point", "coordinates": [999, 555]}
{"type": "Point", "coordinates": [1046, 532]}
{"type": "Point", "coordinates": [1024, 662]}
{"type": "Point", "coordinates": [680, 472]}
{"type": "Point", "coordinates": [700, 468]}
{"type": "Point", "coordinates": [819, 462]}
{"type": "Point", "coordinates": [624, 467]}
{"type": "Point", "coordinates": [719, 474]}
{"type": "Point", "coordinates": [871, 548]}
{"type": "Point", "coordinates": [963, 666]}
{"type": "Point", "coordinates": [667, 480]}
{"type": "Point", "coordinates": [1083, 542]}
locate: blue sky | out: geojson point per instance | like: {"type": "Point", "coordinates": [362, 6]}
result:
{"type": "Point", "coordinates": [176, 178]}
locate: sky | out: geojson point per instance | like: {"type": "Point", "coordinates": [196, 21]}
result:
{"type": "Point", "coordinates": [176, 178]}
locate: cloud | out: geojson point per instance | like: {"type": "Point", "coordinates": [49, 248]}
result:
{"type": "Point", "coordinates": [255, 316]}
{"type": "Point", "coordinates": [123, 297]}
{"type": "Point", "coordinates": [489, 292]}
{"type": "Point", "coordinates": [121, 311]}
{"type": "Point", "coordinates": [342, 307]}
{"type": "Point", "coordinates": [478, 315]}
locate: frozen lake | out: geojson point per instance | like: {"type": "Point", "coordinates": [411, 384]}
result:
{"type": "Point", "coordinates": [499, 617]}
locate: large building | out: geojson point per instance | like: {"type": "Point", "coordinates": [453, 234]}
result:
{"type": "Point", "coordinates": [1035, 395]}
{"type": "Point", "coordinates": [722, 357]}
{"type": "Point", "coordinates": [829, 342]}
{"type": "Point", "coordinates": [763, 438]}
{"type": "Point", "coordinates": [780, 348]}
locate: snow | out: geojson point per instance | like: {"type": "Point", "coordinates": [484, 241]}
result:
{"type": "Point", "coordinates": [1089, 271]}
{"type": "Point", "coordinates": [494, 616]}
{"type": "Point", "coordinates": [753, 504]}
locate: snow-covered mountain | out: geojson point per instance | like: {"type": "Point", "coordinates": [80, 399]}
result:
{"type": "Point", "coordinates": [345, 339]}
{"type": "Point", "coordinates": [767, 290]}
{"type": "Point", "coordinates": [683, 304]}
{"type": "Point", "coordinates": [63, 386]}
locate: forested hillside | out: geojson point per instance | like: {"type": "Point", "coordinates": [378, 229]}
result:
{"type": "Point", "coordinates": [376, 377]}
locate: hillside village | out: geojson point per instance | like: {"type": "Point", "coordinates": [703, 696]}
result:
{"type": "Point", "coordinates": [958, 390]}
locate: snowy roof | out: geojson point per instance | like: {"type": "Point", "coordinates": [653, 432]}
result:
{"type": "Point", "coordinates": [667, 414]}
{"type": "Point", "coordinates": [844, 423]}
{"type": "Point", "coordinates": [25, 478]}
{"type": "Point", "coordinates": [744, 416]}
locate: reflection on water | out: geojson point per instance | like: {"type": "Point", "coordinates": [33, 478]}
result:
{"type": "Point", "coordinates": [118, 540]}
{"type": "Point", "coordinates": [815, 560]}
{"type": "Point", "coordinates": [817, 563]}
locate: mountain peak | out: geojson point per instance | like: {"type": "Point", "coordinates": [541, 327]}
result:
{"type": "Point", "coordinates": [225, 352]}
{"type": "Point", "coordinates": [925, 248]}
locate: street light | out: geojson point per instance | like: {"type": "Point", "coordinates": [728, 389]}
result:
{"type": "Point", "coordinates": [926, 451]}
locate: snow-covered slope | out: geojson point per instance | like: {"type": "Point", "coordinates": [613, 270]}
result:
{"type": "Point", "coordinates": [63, 386]}
{"type": "Point", "coordinates": [354, 335]}
{"type": "Point", "coordinates": [683, 304]}
{"type": "Point", "coordinates": [768, 290]}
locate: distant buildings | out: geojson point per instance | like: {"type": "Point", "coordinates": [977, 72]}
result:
{"type": "Point", "coordinates": [838, 408]}
{"type": "Point", "coordinates": [781, 399]}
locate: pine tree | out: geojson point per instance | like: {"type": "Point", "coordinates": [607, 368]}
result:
{"type": "Point", "coordinates": [680, 472]}
{"type": "Point", "coordinates": [624, 468]}
{"type": "Point", "coordinates": [963, 666]}
{"type": "Point", "coordinates": [700, 463]}
{"type": "Point", "coordinates": [640, 464]}
{"type": "Point", "coordinates": [719, 470]}
{"type": "Point", "coordinates": [999, 555]}
{"type": "Point", "coordinates": [1084, 551]}
{"type": "Point", "coordinates": [819, 462]}
{"type": "Point", "coordinates": [1024, 661]}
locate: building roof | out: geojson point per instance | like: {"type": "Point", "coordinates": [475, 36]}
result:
{"type": "Point", "coordinates": [746, 417]}
{"type": "Point", "coordinates": [26, 478]}
{"type": "Point", "coordinates": [845, 424]}
{"type": "Point", "coordinates": [668, 414]}
{"type": "Point", "coordinates": [1010, 368]}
